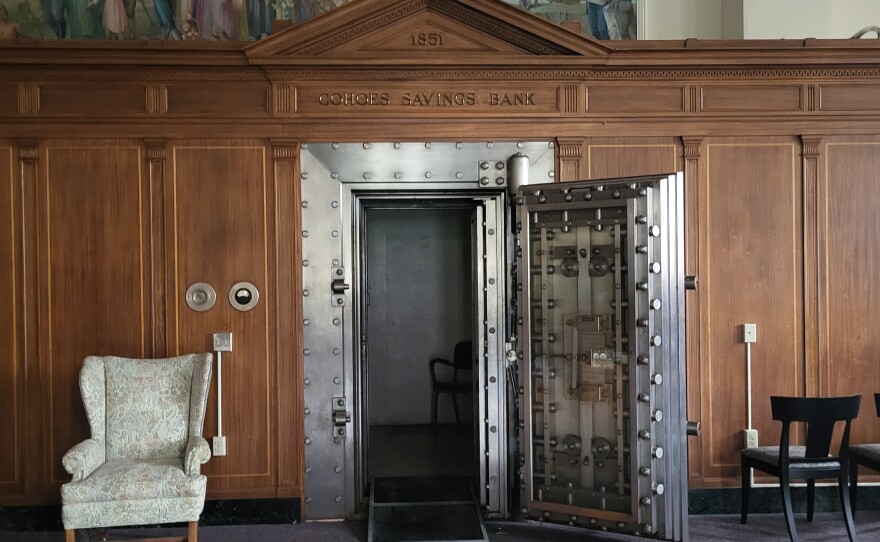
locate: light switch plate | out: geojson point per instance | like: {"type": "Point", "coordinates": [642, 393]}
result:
{"type": "Point", "coordinates": [223, 342]}
{"type": "Point", "coordinates": [750, 333]}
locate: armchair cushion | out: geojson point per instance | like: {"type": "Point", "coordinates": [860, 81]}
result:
{"type": "Point", "coordinates": [135, 480]}
{"type": "Point", "coordinates": [83, 459]}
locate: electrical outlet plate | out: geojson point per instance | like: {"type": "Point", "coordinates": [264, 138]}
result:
{"type": "Point", "coordinates": [751, 438]}
{"type": "Point", "coordinates": [219, 446]}
{"type": "Point", "coordinates": [223, 342]}
{"type": "Point", "coordinates": [750, 333]}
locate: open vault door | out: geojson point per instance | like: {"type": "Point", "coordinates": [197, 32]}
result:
{"type": "Point", "coordinates": [601, 347]}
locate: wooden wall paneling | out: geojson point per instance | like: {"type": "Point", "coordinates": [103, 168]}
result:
{"type": "Point", "coordinates": [630, 156]}
{"type": "Point", "coordinates": [810, 146]}
{"type": "Point", "coordinates": [570, 154]}
{"type": "Point", "coordinates": [156, 158]}
{"type": "Point", "coordinates": [288, 313]}
{"type": "Point", "coordinates": [221, 231]}
{"type": "Point", "coordinates": [849, 275]}
{"type": "Point", "coordinates": [12, 377]}
{"type": "Point", "coordinates": [93, 282]}
{"type": "Point", "coordinates": [28, 220]}
{"type": "Point", "coordinates": [751, 272]}
{"type": "Point", "coordinates": [694, 178]}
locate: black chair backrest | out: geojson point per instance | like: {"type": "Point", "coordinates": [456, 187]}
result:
{"type": "Point", "coordinates": [877, 403]}
{"type": "Point", "coordinates": [820, 415]}
{"type": "Point", "coordinates": [463, 356]}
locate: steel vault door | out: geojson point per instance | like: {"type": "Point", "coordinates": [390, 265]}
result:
{"type": "Point", "coordinates": [335, 178]}
{"type": "Point", "coordinates": [602, 375]}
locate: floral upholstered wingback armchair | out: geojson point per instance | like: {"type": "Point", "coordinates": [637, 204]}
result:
{"type": "Point", "coordinates": [142, 464]}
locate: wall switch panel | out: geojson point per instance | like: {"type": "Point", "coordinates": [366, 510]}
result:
{"type": "Point", "coordinates": [750, 333]}
{"type": "Point", "coordinates": [223, 342]}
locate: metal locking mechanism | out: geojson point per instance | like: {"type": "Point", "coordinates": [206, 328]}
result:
{"type": "Point", "coordinates": [338, 287]}
{"type": "Point", "coordinates": [341, 416]}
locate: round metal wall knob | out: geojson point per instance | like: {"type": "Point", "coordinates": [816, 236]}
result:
{"type": "Point", "coordinates": [243, 296]}
{"type": "Point", "coordinates": [200, 296]}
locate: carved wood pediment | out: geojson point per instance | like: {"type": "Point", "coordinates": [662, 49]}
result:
{"type": "Point", "coordinates": [403, 31]}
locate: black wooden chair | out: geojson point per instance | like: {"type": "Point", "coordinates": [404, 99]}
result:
{"type": "Point", "coordinates": [810, 462]}
{"type": "Point", "coordinates": [863, 454]}
{"type": "Point", "coordinates": [462, 360]}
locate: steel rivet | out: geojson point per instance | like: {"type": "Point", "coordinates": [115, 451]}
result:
{"type": "Point", "coordinates": [654, 267]}
{"type": "Point", "coordinates": [484, 165]}
{"type": "Point", "coordinates": [337, 468]}
{"type": "Point", "coordinates": [336, 380]}
{"type": "Point", "coordinates": [484, 181]}
{"type": "Point", "coordinates": [304, 175]}
{"type": "Point", "coordinates": [305, 263]}
{"type": "Point", "coordinates": [334, 175]}
{"type": "Point", "coordinates": [336, 321]}
{"type": "Point", "coordinates": [305, 145]}
{"type": "Point", "coordinates": [338, 271]}
{"type": "Point", "coordinates": [657, 415]}
{"type": "Point", "coordinates": [334, 233]}
{"type": "Point", "coordinates": [427, 145]}
{"type": "Point", "coordinates": [656, 340]}
{"type": "Point", "coordinates": [305, 233]}
{"type": "Point", "coordinates": [645, 501]}
{"type": "Point", "coordinates": [338, 499]}
{"type": "Point", "coordinates": [656, 379]}
{"type": "Point", "coordinates": [659, 489]}
{"type": "Point", "coordinates": [305, 204]}
{"type": "Point", "coordinates": [491, 281]}
{"type": "Point", "coordinates": [642, 360]}
{"type": "Point", "coordinates": [499, 180]}
{"type": "Point", "coordinates": [519, 144]}
{"type": "Point", "coordinates": [308, 470]}
{"type": "Point", "coordinates": [644, 434]}
{"type": "Point", "coordinates": [334, 204]}
{"type": "Point", "coordinates": [654, 231]}
{"type": "Point", "coordinates": [305, 293]}
{"type": "Point", "coordinates": [551, 174]}
{"type": "Point", "coordinates": [398, 174]}
{"type": "Point", "coordinates": [641, 219]}
{"type": "Point", "coordinates": [308, 411]}
{"type": "Point", "coordinates": [499, 165]}
{"type": "Point", "coordinates": [308, 441]}
{"type": "Point", "coordinates": [493, 429]}
{"type": "Point", "coordinates": [308, 499]}
{"type": "Point", "coordinates": [645, 471]}
{"type": "Point", "coordinates": [458, 145]}
{"type": "Point", "coordinates": [366, 175]}
{"type": "Point", "coordinates": [307, 381]}
{"type": "Point", "coordinates": [656, 304]}
{"type": "Point", "coordinates": [491, 330]}
{"type": "Point", "coordinates": [644, 398]}
{"type": "Point", "coordinates": [366, 145]}
{"type": "Point", "coordinates": [657, 453]}
{"type": "Point", "coordinates": [428, 175]}
{"type": "Point", "coordinates": [490, 145]}
{"type": "Point", "coordinates": [491, 231]}
{"type": "Point", "coordinates": [306, 352]}
{"type": "Point", "coordinates": [336, 351]}
{"type": "Point", "coordinates": [396, 145]}
{"type": "Point", "coordinates": [335, 145]}
{"type": "Point", "coordinates": [459, 175]}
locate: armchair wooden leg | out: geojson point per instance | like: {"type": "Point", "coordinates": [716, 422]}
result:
{"type": "Point", "coordinates": [69, 535]}
{"type": "Point", "coordinates": [193, 532]}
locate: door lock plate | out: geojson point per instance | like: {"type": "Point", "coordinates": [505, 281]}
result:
{"type": "Point", "coordinates": [338, 287]}
{"type": "Point", "coordinates": [341, 416]}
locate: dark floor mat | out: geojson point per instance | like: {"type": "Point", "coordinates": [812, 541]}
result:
{"type": "Point", "coordinates": [424, 509]}
{"type": "Point", "coordinates": [410, 523]}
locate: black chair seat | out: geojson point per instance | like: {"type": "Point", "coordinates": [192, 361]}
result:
{"type": "Point", "coordinates": [867, 455]}
{"type": "Point", "coordinates": [810, 462]}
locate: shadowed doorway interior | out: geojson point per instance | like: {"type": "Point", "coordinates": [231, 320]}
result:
{"type": "Point", "coordinates": [419, 306]}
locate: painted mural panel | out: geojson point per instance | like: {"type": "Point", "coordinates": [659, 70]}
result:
{"type": "Point", "coordinates": [243, 20]}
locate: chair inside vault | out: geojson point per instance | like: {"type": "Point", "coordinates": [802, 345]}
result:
{"type": "Point", "coordinates": [462, 360]}
{"type": "Point", "coordinates": [141, 465]}
{"type": "Point", "coordinates": [810, 462]}
{"type": "Point", "coordinates": [863, 454]}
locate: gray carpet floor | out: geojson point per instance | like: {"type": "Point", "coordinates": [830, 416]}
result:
{"type": "Point", "coordinates": [761, 528]}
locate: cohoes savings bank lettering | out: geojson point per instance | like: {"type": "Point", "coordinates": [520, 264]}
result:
{"type": "Point", "coordinates": [427, 99]}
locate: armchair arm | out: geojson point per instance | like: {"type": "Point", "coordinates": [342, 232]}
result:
{"type": "Point", "coordinates": [83, 459]}
{"type": "Point", "coordinates": [197, 453]}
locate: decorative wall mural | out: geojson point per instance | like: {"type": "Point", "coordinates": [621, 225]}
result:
{"type": "Point", "coordinates": [243, 20]}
